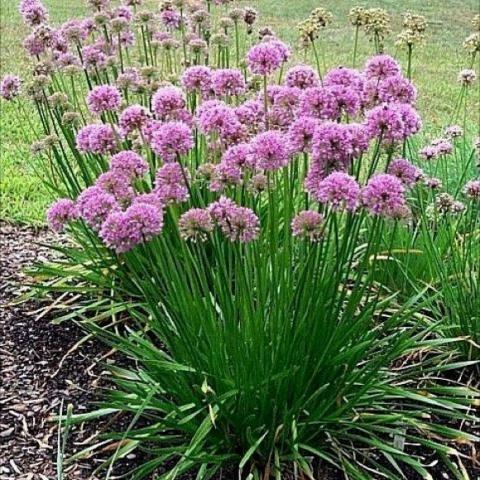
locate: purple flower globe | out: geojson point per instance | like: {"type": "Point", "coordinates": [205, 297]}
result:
{"type": "Point", "coordinates": [60, 213]}
{"type": "Point", "coordinates": [104, 98]}
{"type": "Point", "coordinates": [339, 190]}
{"type": "Point", "coordinates": [384, 195]}
{"type": "Point", "coordinates": [309, 225]}
{"type": "Point", "coordinates": [264, 58]}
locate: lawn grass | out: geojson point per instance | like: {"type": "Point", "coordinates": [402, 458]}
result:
{"type": "Point", "coordinates": [435, 67]}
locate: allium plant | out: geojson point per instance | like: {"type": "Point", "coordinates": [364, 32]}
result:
{"type": "Point", "coordinates": [450, 232]}
{"type": "Point", "coordinates": [236, 234]}
{"type": "Point", "coordinates": [457, 268]}
{"type": "Point", "coordinates": [442, 250]}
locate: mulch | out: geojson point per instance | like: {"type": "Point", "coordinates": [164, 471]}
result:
{"type": "Point", "coordinates": [42, 366]}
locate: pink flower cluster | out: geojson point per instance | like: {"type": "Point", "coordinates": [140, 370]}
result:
{"type": "Point", "coordinates": [117, 183]}
{"type": "Point", "coordinates": [104, 98]}
{"type": "Point", "coordinates": [334, 147]}
{"type": "Point", "coordinates": [340, 190]}
{"type": "Point", "coordinates": [123, 230]}
{"type": "Point", "coordinates": [384, 196]}
{"type": "Point", "coordinates": [266, 57]}
{"type": "Point", "coordinates": [236, 223]}
{"type": "Point", "coordinates": [93, 57]}
{"type": "Point", "coordinates": [60, 213]}
{"type": "Point", "coordinates": [392, 122]}
{"type": "Point", "coordinates": [171, 139]}
{"type": "Point", "coordinates": [472, 189]}
{"type": "Point", "coordinates": [302, 76]}
{"type": "Point", "coordinates": [300, 134]}
{"type": "Point", "coordinates": [437, 148]}
{"type": "Point", "coordinates": [381, 67]}
{"type": "Point", "coordinates": [218, 118]}
{"type": "Point", "coordinates": [33, 12]}
{"type": "Point", "coordinates": [97, 138]}
{"type": "Point", "coordinates": [269, 150]}
{"type": "Point", "coordinates": [94, 205]}
{"type": "Point", "coordinates": [405, 171]}
{"type": "Point", "coordinates": [228, 81]}
{"type": "Point", "coordinates": [171, 183]}
{"type": "Point", "coordinates": [129, 163]}
{"type": "Point", "coordinates": [195, 224]}
{"type": "Point", "coordinates": [122, 216]}
{"type": "Point", "coordinates": [197, 78]}
{"type": "Point", "coordinates": [245, 140]}
{"type": "Point", "coordinates": [170, 18]}
{"type": "Point", "coordinates": [309, 225]}
{"type": "Point", "coordinates": [169, 103]}
{"type": "Point", "coordinates": [225, 174]}
{"type": "Point", "coordinates": [133, 118]}
{"type": "Point", "coordinates": [10, 87]}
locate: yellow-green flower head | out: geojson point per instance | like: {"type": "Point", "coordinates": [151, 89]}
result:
{"type": "Point", "coordinates": [166, 5]}
{"type": "Point", "coordinates": [71, 118]}
{"type": "Point", "coordinates": [197, 45]}
{"type": "Point", "coordinates": [40, 81]}
{"type": "Point", "coordinates": [101, 19]}
{"type": "Point", "coordinates": [377, 22]}
{"type": "Point", "coordinates": [58, 99]}
{"type": "Point", "coordinates": [357, 16]}
{"type": "Point", "coordinates": [44, 67]}
{"type": "Point", "coordinates": [119, 25]}
{"type": "Point", "coordinates": [414, 27]}
{"type": "Point", "coordinates": [150, 73]}
{"type": "Point", "coordinates": [308, 30]}
{"type": "Point", "coordinates": [72, 70]}
{"type": "Point", "coordinates": [50, 141]}
{"type": "Point", "coordinates": [236, 14]}
{"type": "Point", "coordinates": [144, 17]}
{"type": "Point", "coordinates": [179, 3]}
{"type": "Point", "coordinates": [219, 39]}
{"type": "Point", "coordinates": [111, 61]}
{"type": "Point", "coordinates": [172, 79]}
{"type": "Point", "coordinates": [321, 17]}
{"type": "Point", "coordinates": [414, 22]}
{"type": "Point", "coordinates": [476, 22]}
{"type": "Point", "coordinates": [201, 17]}
{"type": "Point", "coordinates": [225, 23]}
{"type": "Point", "coordinates": [472, 43]}
{"type": "Point", "coordinates": [409, 38]}
{"type": "Point", "coordinates": [37, 147]}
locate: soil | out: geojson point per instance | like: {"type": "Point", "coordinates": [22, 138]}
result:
{"type": "Point", "coordinates": [42, 366]}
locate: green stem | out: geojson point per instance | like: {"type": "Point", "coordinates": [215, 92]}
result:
{"type": "Point", "coordinates": [120, 52]}
{"type": "Point", "coordinates": [355, 46]}
{"type": "Point", "coordinates": [409, 64]}
{"type": "Point", "coordinates": [183, 38]}
{"type": "Point", "coordinates": [144, 42]}
{"type": "Point", "coordinates": [237, 45]}
{"type": "Point", "coordinates": [317, 61]}
{"type": "Point", "coordinates": [265, 101]}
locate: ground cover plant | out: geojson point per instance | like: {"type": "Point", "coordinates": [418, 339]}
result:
{"type": "Point", "coordinates": [268, 241]}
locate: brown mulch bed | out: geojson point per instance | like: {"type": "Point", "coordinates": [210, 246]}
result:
{"type": "Point", "coordinates": [40, 366]}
